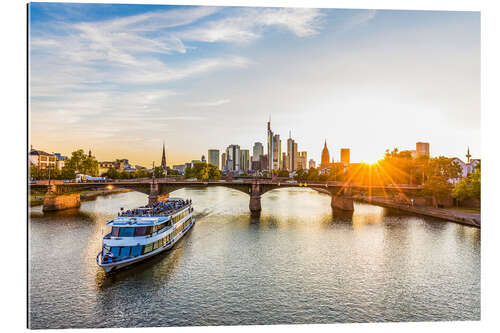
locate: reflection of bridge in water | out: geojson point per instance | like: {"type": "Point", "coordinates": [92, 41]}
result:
{"type": "Point", "coordinates": [342, 193]}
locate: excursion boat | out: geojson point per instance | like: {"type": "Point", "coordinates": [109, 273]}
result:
{"type": "Point", "coordinates": [143, 232]}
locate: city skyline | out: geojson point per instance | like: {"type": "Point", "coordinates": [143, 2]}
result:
{"type": "Point", "coordinates": [123, 80]}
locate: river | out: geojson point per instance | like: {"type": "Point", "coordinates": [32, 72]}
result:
{"type": "Point", "coordinates": [298, 263]}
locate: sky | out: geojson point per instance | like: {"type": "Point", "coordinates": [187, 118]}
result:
{"type": "Point", "coordinates": [122, 79]}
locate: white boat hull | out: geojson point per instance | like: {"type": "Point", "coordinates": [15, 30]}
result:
{"type": "Point", "coordinates": [114, 266]}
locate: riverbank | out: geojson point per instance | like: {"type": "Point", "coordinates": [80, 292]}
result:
{"type": "Point", "coordinates": [37, 200]}
{"type": "Point", "coordinates": [458, 216]}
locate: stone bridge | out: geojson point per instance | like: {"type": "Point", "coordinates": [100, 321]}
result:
{"type": "Point", "coordinates": [341, 193]}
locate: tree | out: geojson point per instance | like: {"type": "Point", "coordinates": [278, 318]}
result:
{"type": "Point", "coordinates": [112, 173]}
{"type": "Point", "coordinates": [172, 172]}
{"type": "Point", "coordinates": [158, 172]}
{"type": "Point", "coordinates": [443, 166]}
{"type": "Point", "coordinates": [461, 191]}
{"type": "Point", "coordinates": [323, 177]}
{"type": "Point", "coordinates": [283, 173]}
{"type": "Point", "coordinates": [437, 186]}
{"type": "Point", "coordinates": [201, 171]}
{"type": "Point", "coordinates": [79, 162]}
{"type": "Point", "coordinates": [468, 187]}
{"type": "Point", "coordinates": [313, 174]}
{"type": "Point", "coordinates": [188, 172]}
{"type": "Point", "coordinates": [142, 173]}
{"type": "Point", "coordinates": [301, 175]}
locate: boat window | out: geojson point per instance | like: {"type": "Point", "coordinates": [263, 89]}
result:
{"type": "Point", "coordinates": [136, 250]}
{"type": "Point", "coordinates": [125, 251]}
{"type": "Point", "coordinates": [115, 250]}
{"type": "Point", "coordinates": [114, 231]}
{"type": "Point", "coordinates": [140, 231]}
{"type": "Point", "coordinates": [148, 248]}
{"type": "Point", "coordinates": [126, 232]}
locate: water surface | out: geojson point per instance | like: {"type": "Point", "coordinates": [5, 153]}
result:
{"type": "Point", "coordinates": [298, 263]}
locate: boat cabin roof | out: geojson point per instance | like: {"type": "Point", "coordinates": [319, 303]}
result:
{"type": "Point", "coordinates": [136, 221]}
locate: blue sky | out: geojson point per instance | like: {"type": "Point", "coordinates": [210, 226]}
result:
{"type": "Point", "coordinates": [120, 79]}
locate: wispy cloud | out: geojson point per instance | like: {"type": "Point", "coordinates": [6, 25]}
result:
{"type": "Point", "coordinates": [124, 68]}
{"type": "Point", "coordinates": [210, 103]}
{"type": "Point", "coordinates": [249, 24]}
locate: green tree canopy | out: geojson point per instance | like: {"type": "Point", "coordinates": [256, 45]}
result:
{"type": "Point", "coordinates": [438, 186]}
{"type": "Point", "coordinates": [468, 187]}
{"type": "Point", "coordinates": [283, 173]}
{"type": "Point", "coordinates": [201, 171]}
{"type": "Point", "coordinates": [79, 162]}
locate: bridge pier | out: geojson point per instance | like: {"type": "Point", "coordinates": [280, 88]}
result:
{"type": "Point", "coordinates": [342, 203]}
{"type": "Point", "coordinates": [53, 201]}
{"type": "Point", "coordinates": [255, 193]}
{"type": "Point", "coordinates": [153, 193]}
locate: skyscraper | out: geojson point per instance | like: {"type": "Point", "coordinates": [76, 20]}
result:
{"type": "Point", "coordinates": [258, 151]}
{"type": "Point", "coordinates": [284, 162]}
{"type": "Point", "coordinates": [233, 158]}
{"type": "Point", "coordinates": [213, 157]}
{"type": "Point", "coordinates": [224, 162]}
{"type": "Point", "coordinates": [302, 162]}
{"type": "Point", "coordinates": [270, 146]}
{"type": "Point", "coordinates": [276, 165]}
{"type": "Point", "coordinates": [345, 155]}
{"type": "Point", "coordinates": [290, 144]}
{"type": "Point", "coordinates": [163, 158]}
{"type": "Point", "coordinates": [244, 159]}
{"type": "Point", "coordinates": [295, 156]}
{"type": "Point", "coordinates": [312, 163]}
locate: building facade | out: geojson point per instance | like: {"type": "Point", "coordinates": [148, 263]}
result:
{"type": "Point", "coordinates": [258, 151]}
{"type": "Point", "coordinates": [223, 160]}
{"type": "Point", "coordinates": [302, 161]}
{"type": "Point", "coordinates": [312, 164]}
{"type": "Point", "coordinates": [60, 161]}
{"type": "Point", "coordinates": [291, 154]}
{"type": "Point", "coordinates": [213, 157]}
{"type": "Point", "coordinates": [270, 146]}
{"type": "Point", "coordinates": [276, 165]}
{"type": "Point", "coordinates": [42, 159]}
{"type": "Point", "coordinates": [284, 162]}
{"type": "Point", "coordinates": [181, 168]}
{"type": "Point", "coordinates": [423, 149]}
{"type": "Point", "coordinates": [233, 158]}
{"type": "Point", "coordinates": [244, 160]}
{"type": "Point", "coordinates": [345, 156]}
{"type": "Point", "coordinates": [469, 166]}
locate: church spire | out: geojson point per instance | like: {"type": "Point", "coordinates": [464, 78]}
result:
{"type": "Point", "coordinates": [468, 155]}
{"type": "Point", "coordinates": [163, 158]}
